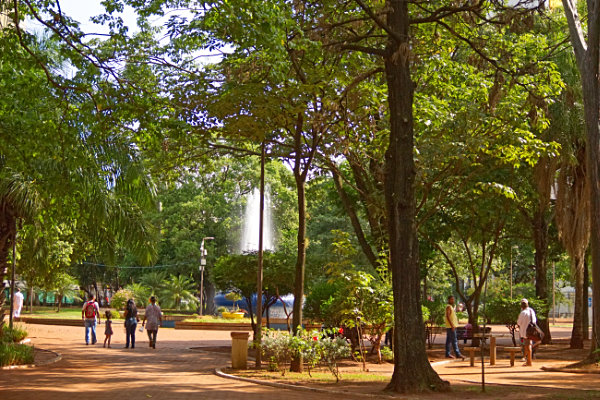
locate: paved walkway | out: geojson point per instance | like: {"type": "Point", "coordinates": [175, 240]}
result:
{"type": "Point", "coordinates": [173, 371]}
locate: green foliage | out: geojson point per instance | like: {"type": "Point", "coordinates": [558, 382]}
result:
{"type": "Point", "coordinates": [141, 294]}
{"type": "Point", "coordinates": [65, 285]}
{"type": "Point", "coordinates": [114, 314]}
{"type": "Point", "coordinates": [387, 354]}
{"type": "Point", "coordinates": [235, 297]}
{"type": "Point", "coordinates": [119, 299]}
{"type": "Point", "coordinates": [503, 310]}
{"type": "Point", "coordinates": [178, 292]}
{"type": "Point", "coordinates": [12, 335]}
{"type": "Point", "coordinates": [314, 346]}
{"type": "Point", "coordinates": [437, 312]}
{"type": "Point", "coordinates": [222, 309]}
{"type": "Point", "coordinates": [319, 301]}
{"type": "Point", "coordinates": [15, 354]}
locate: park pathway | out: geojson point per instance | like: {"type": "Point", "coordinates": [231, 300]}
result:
{"type": "Point", "coordinates": [177, 371]}
{"type": "Point", "coordinates": [171, 372]}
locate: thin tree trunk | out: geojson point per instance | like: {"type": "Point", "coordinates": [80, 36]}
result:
{"type": "Point", "coordinates": [585, 323]}
{"type": "Point", "coordinates": [412, 370]}
{"type": "Point", "coordinates": [577, 332]}
{"type": "Point", "coordinates": [540, 238]}
{"type": "Point", "coordinates": [296, 364]}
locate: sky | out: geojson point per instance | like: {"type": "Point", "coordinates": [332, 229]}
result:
{"type": "Point", "coordinates": [83, 10]}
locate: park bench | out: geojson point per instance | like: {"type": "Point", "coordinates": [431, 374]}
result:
{"type": "Point", "coordinates": [512, 351]}
{"type": "Point", "coordinates": [465, 334]}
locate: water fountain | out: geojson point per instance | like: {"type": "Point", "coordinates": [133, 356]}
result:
{"type": "Point", "coordinates": [249, 241]}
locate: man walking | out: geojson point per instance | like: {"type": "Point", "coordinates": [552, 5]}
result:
{"type": "Point", "coordinates": [451, 324]}
{"type": "Point", "coordinates": [154, 317]}
{"type": "Point", "coordinates": [89, 313]}
{"type": "Point", "coordinates": [17, 303]}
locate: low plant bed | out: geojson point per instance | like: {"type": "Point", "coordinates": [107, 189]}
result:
{"type": "Point", "coordinates": [11, 351]}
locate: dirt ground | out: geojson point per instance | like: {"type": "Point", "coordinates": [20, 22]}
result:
{"type": "Point", "coordinates": [183, 364]}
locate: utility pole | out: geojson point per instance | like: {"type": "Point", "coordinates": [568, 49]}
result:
{"type": "Point", "coordinates": [203, 253]}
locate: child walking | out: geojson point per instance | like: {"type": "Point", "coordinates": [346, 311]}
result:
{"type": "Point", "coordinates": [108, 328]}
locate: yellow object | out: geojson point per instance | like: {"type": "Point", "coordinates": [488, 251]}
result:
{"type": "Point", "coordinates": [453, 317]}
{"type": "Point", "coordinates": [554, 4]}
{"type": "Point", "coordinates": [232, 315]}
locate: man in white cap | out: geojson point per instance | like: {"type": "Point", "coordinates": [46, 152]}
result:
{"type": "Point", "coordinates": [526, 316]}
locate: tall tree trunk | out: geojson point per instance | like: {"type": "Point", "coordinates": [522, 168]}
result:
{"type": "Point", "coordinates": [585, 323]}
{"type": "Point", "coordinates": [577, 332]}
{"type": "Point", "coordinates": [7, 234]}
{"type": "Point", "coordinates": [412, 370]}
{"type": "Point", "coordinates": [540, 238]}
{"type": "Point", "coordinates": [296, 365]}
{"type": "Point", "coordinates": [588, 58]}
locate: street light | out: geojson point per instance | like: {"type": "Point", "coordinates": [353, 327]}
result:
{"type": "Point", "coordinates": [203, 253]}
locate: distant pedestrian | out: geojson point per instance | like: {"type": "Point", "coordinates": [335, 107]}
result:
{"type": "Point", "coordinates": [108, 331]}
{"type": "Point", "coordinates": [17, 303]}
{"type": "Point", "coordinates": [90, 313]}
{"type": "Point", "coordinates": [451, 324]}
{"type": "Point", "coordinates": [154, 317]}
{"type": "Point", "coordinates": [131, 320]}
{"type": "Point", "coordinates": [526, 316]}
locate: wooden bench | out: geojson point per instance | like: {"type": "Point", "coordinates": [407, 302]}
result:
{"type": "Point", "coordinates": [512, 351]}
{"type": "Point", "coordinates": [471, 351]}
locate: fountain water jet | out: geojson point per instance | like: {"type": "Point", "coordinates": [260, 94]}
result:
{"type": "Point", "coordinates": [249, 241]}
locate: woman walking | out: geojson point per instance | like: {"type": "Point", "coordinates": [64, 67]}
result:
{"type": "Point", "coordinates": [131, 320]}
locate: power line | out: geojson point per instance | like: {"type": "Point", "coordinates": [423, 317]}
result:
{"type": "Point", "coordinates": [136, 266]}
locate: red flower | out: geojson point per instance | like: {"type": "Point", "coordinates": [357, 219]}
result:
{"type": "Point", "coordinates": [315, 338]}
{"type": "Point", "coordinates": [341, 331]}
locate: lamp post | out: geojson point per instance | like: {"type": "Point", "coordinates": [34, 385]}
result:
{"type": "Point", "coordinates": [203, 253]}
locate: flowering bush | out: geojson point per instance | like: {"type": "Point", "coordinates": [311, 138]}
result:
{"type": "Point", "coordinates": [313, 346]}
{"type": "Point", "coordinates": [278, 346]}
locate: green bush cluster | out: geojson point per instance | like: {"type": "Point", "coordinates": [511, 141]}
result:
{"type": "Point", "coordinates": [11, 352]}
{"type": "Point", "coordinates": [314, 347]}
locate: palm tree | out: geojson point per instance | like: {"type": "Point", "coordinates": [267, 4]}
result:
{"type": "Point", "coordinates": [18, 200]}
{"type": "Point", "coordinates": [154, 281]}
{"type": "Point", "coordinates": [64, 285]}
{"type": "Point", "coordinates": [574, 228]}
{"type": "Point", "coordinates": [178, 290]}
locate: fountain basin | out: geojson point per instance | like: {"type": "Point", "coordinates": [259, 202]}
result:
{"type": "Point", "coordinates": [232, 315]}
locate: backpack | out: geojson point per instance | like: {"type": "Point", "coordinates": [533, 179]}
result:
{"type": "Point", "coordinates": [90, 310]}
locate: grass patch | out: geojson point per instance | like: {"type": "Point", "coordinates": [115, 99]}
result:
{"type": "Point", "coordinates": [15, 354]}
{"type": "Point", "coordinates": [12, 335]}
{"type": "Point", "coordinates": [217, 320]}
{"type": "Point", "coordinates": [318, 376]}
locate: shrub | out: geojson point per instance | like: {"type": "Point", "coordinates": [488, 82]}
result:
{"type": "Point", "coordinates": [119, 299]}
{"type": "Point", "coordinates": [314, 347]}
{"type": "Point", "coordinates": [277, 346]}
{"type": "Point", "coordinates": [387, 354]}
{"type": "Point", "coordinates": [15, 354]}
{"type": "Point", "coordinates": [12, 335]}
{"type": "Point", "coordinates": [222, 309]}
{"type": "Point", "coordinates": [332, 350]}
{"type": "Point", "coordinates": [114, 314]}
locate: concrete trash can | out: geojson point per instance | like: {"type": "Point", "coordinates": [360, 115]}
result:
{"type": "Point", "coordinates": [239, 350]}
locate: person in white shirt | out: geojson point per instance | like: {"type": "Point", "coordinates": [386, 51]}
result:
{"type": "Point", "coordinates": [154, 317]}
{"type": "Point", "coordinates": [17, 303]}
{"type": "Point", "coordinates": [526, 316]}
